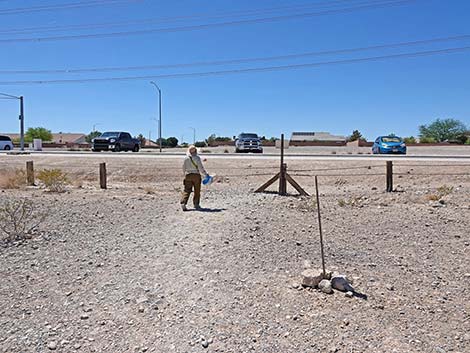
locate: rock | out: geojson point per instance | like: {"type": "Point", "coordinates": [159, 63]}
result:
{"type": "Point", "coordinates": [205, 344]}
{"type": "Point", "coordinates": [325, 286]}
{"type": "Point", "coordinates": [311, 278]}
{"type": "Point", "coordinates": [341, 283]}
{"type": "Point", "coordinates": [52, 345]}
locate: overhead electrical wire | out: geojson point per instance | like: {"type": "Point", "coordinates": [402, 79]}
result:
{"type": "Point", "coordinates": [200, 16]}
{"type": "Point", "coordinates": [238, 61]}
{"type": "Point", "coordinates": [209, 25]}
{"type": "Point", "coordinates": [244, 70]}
{"type": "Point", "coordinates": [66, 6]}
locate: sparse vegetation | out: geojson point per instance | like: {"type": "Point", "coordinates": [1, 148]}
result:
{"type": "Point", "coordinates": [19, 219]}
{"type": "Point", "coordinates": [13, 179]}
{"type": "Point", "coordinates": [55, 180]}
{"type": "Point", "coordinates": [444, 130]}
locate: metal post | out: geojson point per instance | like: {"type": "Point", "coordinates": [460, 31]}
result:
{"type": "Point", "coordinates": [319, 227]}
{"type": "Point", "coordinates": [282, 176]}
{"type": "Point", "coordinates": [389, 176]}
{"type": "Point", "coordinates": [160, 120]}
{"type": "Point", "coordinates": [103, 176]}
{"type": "Point", "coordinates": [30, 173]}
{"type": "Point", "coordinates": [22, 123]}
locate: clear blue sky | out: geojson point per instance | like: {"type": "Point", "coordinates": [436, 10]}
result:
{"type": "Point", "coordinates": [375, 97]}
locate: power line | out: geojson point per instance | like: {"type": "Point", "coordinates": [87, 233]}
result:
{"type": "Point", "coordinates": [62, 6]}
{"type": "Point", "coordinates": [238, 61]}
{"type": "Point", "coordinates": [200, 16]}
{"type": "Point", "coordinates": [246, 70]}
{"type": "Point", "coordinates": [210, 25]}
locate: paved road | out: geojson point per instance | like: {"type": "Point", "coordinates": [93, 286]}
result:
{"type": "Point", "coordinates": [267, 156]}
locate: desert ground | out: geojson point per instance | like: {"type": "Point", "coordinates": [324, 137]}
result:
{"type": "Point", "coordinates": [125, 270]}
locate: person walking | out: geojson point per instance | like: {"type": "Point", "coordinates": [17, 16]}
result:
{"type": "Point", "coordinates": [192, 169]}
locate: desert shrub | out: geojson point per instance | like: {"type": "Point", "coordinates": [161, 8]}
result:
{"type": "Point", "coordinates": [226, 151]}
{"type": "Point", "coordinates": [409, 140]}
{"type": "Point", "coordinates": [206, 151]}
{"type": "Point", "coordinates": [19, 219]}
{"type": "Point", "coordinates": [200, 144]}
{"type": "Point", "coordinates": [55, 180]}
{"type": "Point", "coordinates": [444, 190]}
{"type": "Point", "coordinates": [341, 203]}
{"type": "Point", "coordinates": [427, 140]}
{"type": "Point", "coordinates": [13, 179]}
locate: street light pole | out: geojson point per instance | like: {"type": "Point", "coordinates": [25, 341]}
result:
{"type": "Point", "coordinates": [194, 135]}
{"type": "Point", "coordinates": [160, 114]}
{"type": "Point", "coordinates": [21, 99]}
{"type": "Point", "coordinates": [22, 123]}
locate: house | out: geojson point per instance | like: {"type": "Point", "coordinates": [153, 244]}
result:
{"type": "Point", "coordinates": [59, 138]}
{"type": "Point", "coordinates": [317, 137]}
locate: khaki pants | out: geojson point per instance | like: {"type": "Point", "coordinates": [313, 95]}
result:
{"type": "Point", "coordinates": [192, 181]}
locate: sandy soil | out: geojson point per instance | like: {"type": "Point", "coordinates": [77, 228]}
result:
{"type": "Point", "coordinates": [125, 270]}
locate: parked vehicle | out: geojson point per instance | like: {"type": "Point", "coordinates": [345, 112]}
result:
{"type": "Point", "coordinates": [389, 144]}
{"type": "Point", "coordinates": [248, 142]}
{"type": "Point", "coordinates": [116, 142]}
{"type": "Point", "coordinates": [5, 143]}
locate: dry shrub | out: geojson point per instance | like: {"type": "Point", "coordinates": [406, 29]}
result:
{"type": "Point", "coordinates": [226, 151]}
{"type": "Point", "coordinates": [441, 192]}
{"type": "Point", "coordinates": [19, 219]}
{"type": "Point", "coordinates": [55, 180]}
{"type": "Point", "coordinates": [13, 179]}
{"type": "Point", "coordinates": [149, 190]}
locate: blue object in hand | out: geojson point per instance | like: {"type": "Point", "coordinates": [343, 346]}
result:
{"type": "Point", "coordinates": [207, 180]}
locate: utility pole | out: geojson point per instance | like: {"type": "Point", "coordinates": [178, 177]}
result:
{"type": "Point", "coordinates": [160, 114]}
{"type": "Point", "coordinates": [22, 123]}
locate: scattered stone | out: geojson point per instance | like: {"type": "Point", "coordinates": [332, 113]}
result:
{"type": "Point", "coordinates": [311, 277]}
{"type": "Point", "coordinates": [205, 344]}
{"type": "Point", "coordinates": [325, 286]}
{"type": "Point", "coordinates": [52, 345]}
{"type": "Point", "coordinates": [341, 283]}
{"type": "Point", "coordinates": [349, 294]}
{"type": "Point", "coordinates": [84, 316]}
{"type": "Point", "coordinates": [141, 309]}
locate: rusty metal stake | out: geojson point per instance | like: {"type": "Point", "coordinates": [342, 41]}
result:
{"type": "Point", "coordinates": [319, 227]}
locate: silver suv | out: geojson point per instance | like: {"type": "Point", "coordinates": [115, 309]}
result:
{"type": "Point", "coordinates": [248, 142]}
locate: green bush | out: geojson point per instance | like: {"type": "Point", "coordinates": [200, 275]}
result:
{"type": "Point", "coordinates": [409, 140]}
{"type": "Point", "coordinates": [54, 179]}
{"type": "Point", "coordinates": [427, 140]}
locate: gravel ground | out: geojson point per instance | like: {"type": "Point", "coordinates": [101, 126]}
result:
{"type": "Point", "coordinates": [124, 270]}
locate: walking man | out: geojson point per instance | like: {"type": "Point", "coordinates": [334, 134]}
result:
{"type": "Point", "coordinates": [192, 169]}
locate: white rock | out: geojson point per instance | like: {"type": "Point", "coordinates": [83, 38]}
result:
{"type": "Point", "coordinates": [311, 277]}
{"type": "Point", "coordinates": [325, 286]}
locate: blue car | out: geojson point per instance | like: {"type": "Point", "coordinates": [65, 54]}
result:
{"type": "Point", "coordinates": [388, 144]}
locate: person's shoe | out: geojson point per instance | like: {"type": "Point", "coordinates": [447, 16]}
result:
{"type": "Point", "coordinates": [184, 208]}
{"type": "Point", "coordinates": [198, 207]}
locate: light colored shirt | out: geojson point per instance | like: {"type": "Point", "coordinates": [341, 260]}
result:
{"type": "Point", "coordinates": [193, 167]}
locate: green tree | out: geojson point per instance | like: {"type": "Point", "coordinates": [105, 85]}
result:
{"type": "Point", "coordinates": [356, 135]}
{"type": "Point", "coordinates": [92, 135]}
{"type": "Point", "coordinates": [409, 140]}
{"type": "Point", "coordinates": [171, 142]}
{"type": "Point", "coordinates": [443, 130]}
{"type": "Point", "coordinates": [38, 133]}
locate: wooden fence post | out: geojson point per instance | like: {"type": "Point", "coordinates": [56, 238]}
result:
{"type": "Point", "coordinates": [30, 173]}
{"type": "Point", "coordinates": [103, 176]}
{"type": "Point", "coordinates": [282, 175]}
{"type": "Point", "coordinates": [389, 176]}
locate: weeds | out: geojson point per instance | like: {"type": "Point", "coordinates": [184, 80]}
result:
{"type": "Point", "coordinates": [441, 192]}
{"type": "Point", "coordinates": [55, 180]}
{"type": "Point", "coordinates": [14, 179]}
{"type": "Point", "coordinates": [19, 219]}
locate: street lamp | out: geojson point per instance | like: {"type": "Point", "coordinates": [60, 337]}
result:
{"type": "Point", "coordinates": [20, 98]}
{"type": "Point", "coordinates": [94, 126]}
{"type": "Point", "coordinates": [194, 135]}
{"type": "Point", "coordinates": [160, 114]}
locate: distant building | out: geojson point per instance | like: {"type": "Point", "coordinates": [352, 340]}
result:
{"type": "Point", "coordinates": [59, 138]}
{"type": "Point", "coordinates": [316, 137]}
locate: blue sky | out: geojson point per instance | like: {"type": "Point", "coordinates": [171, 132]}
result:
{"type": "Point", "coordinates": [375, 97]}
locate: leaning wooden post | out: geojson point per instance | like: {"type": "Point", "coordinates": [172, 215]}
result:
{"type": "Point", "coordinates": [319, 228]}
{"type": "Point", "coordinates": [389, 176]}
{"type": "Point", "coordinates": [30, 173]}
{"type": "Point", "coordinates": [282, 176]}
{"type": "Point", "coordinates": [103, 177]}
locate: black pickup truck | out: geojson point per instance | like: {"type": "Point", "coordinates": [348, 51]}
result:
{"type": "Point", "coordinates": [116, 142]}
